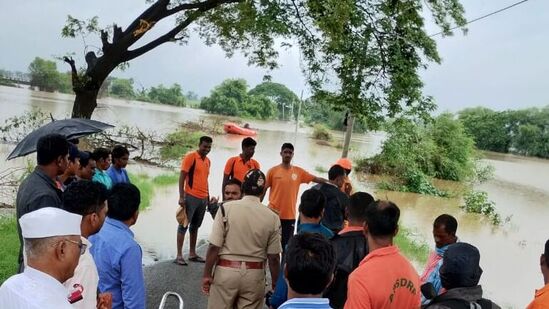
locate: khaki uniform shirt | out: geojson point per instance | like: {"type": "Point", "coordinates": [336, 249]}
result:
{"type": "Point", "coordinates": [253, 231]}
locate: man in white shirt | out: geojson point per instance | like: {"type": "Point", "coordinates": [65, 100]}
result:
{"type": "Point", "coordinates": [53, 248]}
{"type": "Point", "coordinates": [88, 199]}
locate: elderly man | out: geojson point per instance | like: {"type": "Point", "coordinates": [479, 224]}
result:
{"type": "Point", "coordinates": [53, 248]}
{"type": "Point", "coordinates": [244, 236]}
{"type": "Point", "coordinates": [40, 188]}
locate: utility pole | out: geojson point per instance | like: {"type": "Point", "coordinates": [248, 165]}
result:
{"type": "Point", "coordinates": [297, 118]}
{"type": "Point", "coordinates": [348, 133]}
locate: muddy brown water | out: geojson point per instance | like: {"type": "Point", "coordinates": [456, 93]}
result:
{"type": "Point", "coordinates": [509, 254]}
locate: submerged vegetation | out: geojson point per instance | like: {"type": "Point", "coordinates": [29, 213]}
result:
{"type": "Point", "coordinates": [478, 202]}
{"type": "Point", "coordinates": [414, 153]}
{"type": "Point", "coordinates": [411, 245]}
{"type": "Point", "coordinates": [147, 185]}
{"type": "Point", "coordinates": [321, 132]}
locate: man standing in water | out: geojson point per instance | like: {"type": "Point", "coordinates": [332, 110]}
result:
{"type": "Point", "coordinates": [193, 196]}
{"type": "Point", "coordinates": [444, 233]}
{"type": "Point", "coordinates": [237, 167]}
{"type": "Point", "coordinates": [284, 181]}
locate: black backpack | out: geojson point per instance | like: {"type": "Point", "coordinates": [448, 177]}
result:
{"type": "Point", "coordinates": [464, 304]}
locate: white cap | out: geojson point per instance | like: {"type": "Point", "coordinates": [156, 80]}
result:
{"type": "Point", "coordinates": [49, 222]}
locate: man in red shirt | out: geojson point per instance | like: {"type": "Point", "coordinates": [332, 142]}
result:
{"type": "Point", "coordinates": [193, 196]}
{"type": "Point", "coordinates": [385, 278]}
{"type": "Point", "coordinates": [284, 181]}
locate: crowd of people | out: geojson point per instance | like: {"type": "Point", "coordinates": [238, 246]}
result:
{"type": "Point", "coordinates": [333, 249]}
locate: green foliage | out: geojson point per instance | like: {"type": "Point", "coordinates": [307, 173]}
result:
{"type": "Point", "coordinates": [231, 98]}
{"type": "Point", "coordinates": [524, 132]}
{"type": "Point", "coordinates": [166, 179]}
{"type": "Point", "coordinates": [226, 98]}
{"type": "Point", "coordinates": [9, 251]}
{"type": "Point", "coordinates": [321, 132]}
{"type": "Point", "coordinates": [44, 75]}
{"type": "Point", "coordinates": [75, 27]}
{"type": "Point", "coordinates": [488, 128]}
{"type": "Point", "coordinates": [15, 128]}
{"type": "Point", "coordinates": [171, 96]}
{"type": "Point", "coordinates": [371, 50]}
{"type": "Point", "coordinates": [285, 100]}
{"type": "Point", "coordinates": [416, 152]}
{"type": "Point", "coordinates": [121, 88]}
{"type": "Point", "coordinates": [177, 144]}
{"type": "Point", "coordinates": [411, 245]}
{"type": "Point", "coordinates": [413, 181]}
{"type": "Point", "coordinates": [478, 202]}
{"type": "Point", "coordinates": [258, 106]}
{"type": "Point", "coordinates": [318, 111]}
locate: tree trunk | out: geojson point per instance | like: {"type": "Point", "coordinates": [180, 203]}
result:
{"type": "Point", "coordinates": [85, 103]}
{"type": "Point", "coordinates": [348, 134]}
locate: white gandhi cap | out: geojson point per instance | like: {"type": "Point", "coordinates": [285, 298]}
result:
{"type": "Point", "coordinates": [49, 222]}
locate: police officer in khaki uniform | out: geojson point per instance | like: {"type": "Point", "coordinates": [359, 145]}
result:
{"type": "Point", "coordinates": [244, 236]}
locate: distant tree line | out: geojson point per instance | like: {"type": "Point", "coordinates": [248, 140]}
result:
{"type": "Point", "coordinates": [44, 75]}
{"type": "Point", "coordinates": [524, 132]}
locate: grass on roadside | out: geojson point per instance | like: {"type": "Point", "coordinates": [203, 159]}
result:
{"type": "Point", "coordinates": [146, 188]}
{"type": "Point", "coordinates": [412, 247]}
{"type": "Point", "coordinates": [9, 251]}
{"type": "Point", "coordinates": [166, 179]}
{"type": "Point", "coordinates": [146, 185]}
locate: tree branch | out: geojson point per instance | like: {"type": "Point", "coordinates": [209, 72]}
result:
{"type": "Point", "coordinates": [154, 10]}
{"type": "Point", "coordinates": [301, 19]}
{"type": "Point", "coordinates": [201, 7]}
{"type": "Point", "coordinates": [132, 54]}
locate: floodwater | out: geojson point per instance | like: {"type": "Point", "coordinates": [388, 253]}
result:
{"type": "Point", "coordinates": [509, 254]}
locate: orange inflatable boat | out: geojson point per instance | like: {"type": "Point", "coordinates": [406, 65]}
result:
{"type": "Point", "coordinates": [233, 128]}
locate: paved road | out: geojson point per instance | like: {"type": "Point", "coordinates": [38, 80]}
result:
{"type": "Point", "coordinates": [185, 280]}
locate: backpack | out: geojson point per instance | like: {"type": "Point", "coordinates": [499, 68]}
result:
{"type": "Point", "coordinates": [482, 303]}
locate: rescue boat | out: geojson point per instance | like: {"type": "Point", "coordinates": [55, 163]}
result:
{"type": "Point", "coordinates": [233, 128]}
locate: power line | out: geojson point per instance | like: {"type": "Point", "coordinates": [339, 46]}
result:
{"type": "Point", "coordinates": [484, 16]}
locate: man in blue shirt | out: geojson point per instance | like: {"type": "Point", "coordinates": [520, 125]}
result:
{"type": "Point", "coordinates": [310, 265]}
{"type": "Point", "coordinates": [311, 209]}
{"type": "Point", "coordinates": [102, 159]}
{"type": "Point", "coordinates": [117, 255]}
{"type": "Point", "coordinates": [117, 171]}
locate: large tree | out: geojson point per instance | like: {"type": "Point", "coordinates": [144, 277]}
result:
{"type": "Point", "coordinates": [362, 55]}
{"type": "Point", "coordinates": [284, 98]}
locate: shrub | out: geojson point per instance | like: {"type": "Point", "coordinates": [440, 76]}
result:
{"type": "Point", "coordinates": [416, 152]}
{"type": "Point", "coordinates": [178, 143]}
{"type": "Point", "coordinates": [478, 202]}
{"type": "Point", "coordinates": [321, 132]}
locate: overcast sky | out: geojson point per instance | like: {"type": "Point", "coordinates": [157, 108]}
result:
{"type": "Point", "coordinates": [502, 63]}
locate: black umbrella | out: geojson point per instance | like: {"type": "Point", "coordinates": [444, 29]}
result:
{"type": "Point", "coordinates": [70, 128]}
